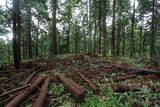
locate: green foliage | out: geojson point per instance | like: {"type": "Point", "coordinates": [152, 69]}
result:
{"type": "Point", "coordinates": [5, 54]}
{"type": "Point", "coordinates": [57, 89]}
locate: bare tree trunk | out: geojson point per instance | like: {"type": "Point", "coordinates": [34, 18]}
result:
{"type": "Point", "coordinates": [69, 25]}
{"type": "Point", "coordinates": [113, 29]}
{"type": "Point", "coordinates": [132, 32]}
{"type": "Point", "coordinates": [119, 28]}
{"type": "Point", "coordinates": [104, 26]}
{"type": "Point", "coordinates": [16, 33]}
{"type": "Point", "coordinates": [140, 47]}
{"type": "Point", "coordinates": [29, 31]}
{"type": "Point", "coordinates": [152, 37]}
{"type": "Point", "coordinates": [95, 27]}
{"type": "Point", "coordinates": [37, 40]}
{"type": "Point", "coordinates": [124, 42]}
{"type": "Point", "coordinates": [53, 48]}
{"type": "Point", "coordinates": [100, 26]}
{"type": "Point", "coordinates": [90, 28]}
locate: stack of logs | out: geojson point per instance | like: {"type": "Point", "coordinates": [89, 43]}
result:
{"type": "Point", "coordinates": [17, 100]}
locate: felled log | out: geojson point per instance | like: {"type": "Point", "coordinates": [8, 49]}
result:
{"type": "Point", "coordinates": [142, 71]}
{"type": "Point", "coordinates": [124, 77]}
{"type": "Point", "coordinates": [6, 100]}
{"type": "Point", "coordinates": [90, 82]}
{"type": "Point", "coordinates": [30, 77]}
{"type": "Point", "coordinates": [123, 88]}
{"type": "Point", "coordinates": [137, 71]}
{"type": "Point", "coordinates": [14, 70]}
{"type": "Point", "coordinates": [73, 88]}
{"type": "Point", "coordinates": [14, 90]}
{"type": "Point", "coordinates": [19, 98]}
{"type": "Point", "coordinates": [40, 101]}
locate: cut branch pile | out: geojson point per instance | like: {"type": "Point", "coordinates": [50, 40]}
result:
{"type": "Point", "coordinates": [14, 90]}
{"type": "Point", "coordinates": [19, 98]}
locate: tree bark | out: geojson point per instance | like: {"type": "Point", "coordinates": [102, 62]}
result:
{"type": "Point", "coordinates": [104, 26]}
{"type": "Point", "coordinates": [37, 40]}
{"type": "Point", "coordinates": [29, 31]}
{"type": "Point", "coordinates": [113, 29]}
{"type": "Point", "coordinates": [95, 28]}
{"type": "Point", "coordinates": [53, 48]}
{"type": "Point", "coordinates": [90, 28]}
{"type": "Point", "coordinates": [132, 32]}
{"type": "Point", "coordinates": [69, 26]}
{"type": "Point", "coordinates": [152, 37]}
{"type": "Point", "coordinates": [119, 28]}
{"type": "Point", "coordinates": [124, 42]}
{"type": "Point", "coordinates": [100, 26]}
{"type": "Point", "coordinates": [16, 34]}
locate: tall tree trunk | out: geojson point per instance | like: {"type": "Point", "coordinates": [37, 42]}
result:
{"type": "Point", "coordinates": [113, 29]}
{"type": "Point", "coordinates": [140, 47]}
{"type": "Point", "coordinates": [152, 37]}
{"type": "Point", "coordinates": [95, 26]}
{"type": "Point", "coordinates": [132, 32]}
{"type": "Point", "coordinates": [124, 42]}
{"type": "Point", "coordinates": [104, 26]}
{"type": "Point", "coordinates": [37, 40]}
{"type": "Point", "coordinates": [16, 33]}
{"type": "Point", "coordinates": [29, 31]}
{"type": "Point", "coordinates": [95, 33]}
{"type": "Point", "coordinates": [84, 38]}
{"type": "Point", "coordinates": [119, 28]}
{"type": "Point", "coordinates": [53, 48]}
{"type": "Point", "coordinates": [69, 25]}
{"type": "Point", "coordinates": [100, 26]}
{"type": "Point", "coordinates": [90, 28]}
{"type": "Point", "coordinates": [77, 34]}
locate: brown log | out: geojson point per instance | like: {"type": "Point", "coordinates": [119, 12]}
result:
{"type": "Point", "coordinates": [6, 100]}
{"type": "Point", "coordinates": [123, 88]}
{"type": "Point", "coordinates": [137, 71]}
{"type": "Point", "coordinates": [14, 90]}
{"type": "Point", "coordinates": [40, 101]}
{"type": "Point", "coordinates": [19, 98]}
{"type": "Point", "coordinates": [142, 71]}
{"type": "Point", "coordinates": [14, 70]}
{"type": "Point", "coordinates": [30, 77]}
{"type": "Point", "coordinates": [90, 82]}
{"type": "Point", "coordinates": [73, 88]}
{"type": "Point", "coordinates": [124, 77]}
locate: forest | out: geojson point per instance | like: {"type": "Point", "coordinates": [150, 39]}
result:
{"type": "Point", "coordinates": [79, 53]}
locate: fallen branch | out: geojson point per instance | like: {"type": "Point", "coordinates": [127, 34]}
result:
{"type": "Point", "coordinates": [73, 88]}
{"type": "Point", "coordinates": [14, 70]}
{"type": "Point", "coordinates": [14, 90]}
{"type": "Point", "coordinates": [43, 94]}
{"type": "Point", "coordinates": [30, 77]}
{"type": "Point", "coordinates": [18, 99]}
{"type": "Point", "coordinates": [13, 77]}
{"type": "Point", "coordinates": [142, 71]}
{"type": "Point", "coordinates": [137, 71]}
{"type": "Point", "coordinates": [124, 77]}
{"type": "Point", "coordinates": [90, 82]}
{"type": "Point", "coordinates": [123, 88]}
{"type": "Point", "coordinates": [4, 101]}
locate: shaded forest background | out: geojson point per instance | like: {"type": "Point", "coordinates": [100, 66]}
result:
{"type": "Point", "coordinates": [123, 28]}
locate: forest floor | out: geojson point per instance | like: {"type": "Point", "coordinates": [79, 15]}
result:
{"type": "Point", "coordinates": [120, 82]}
